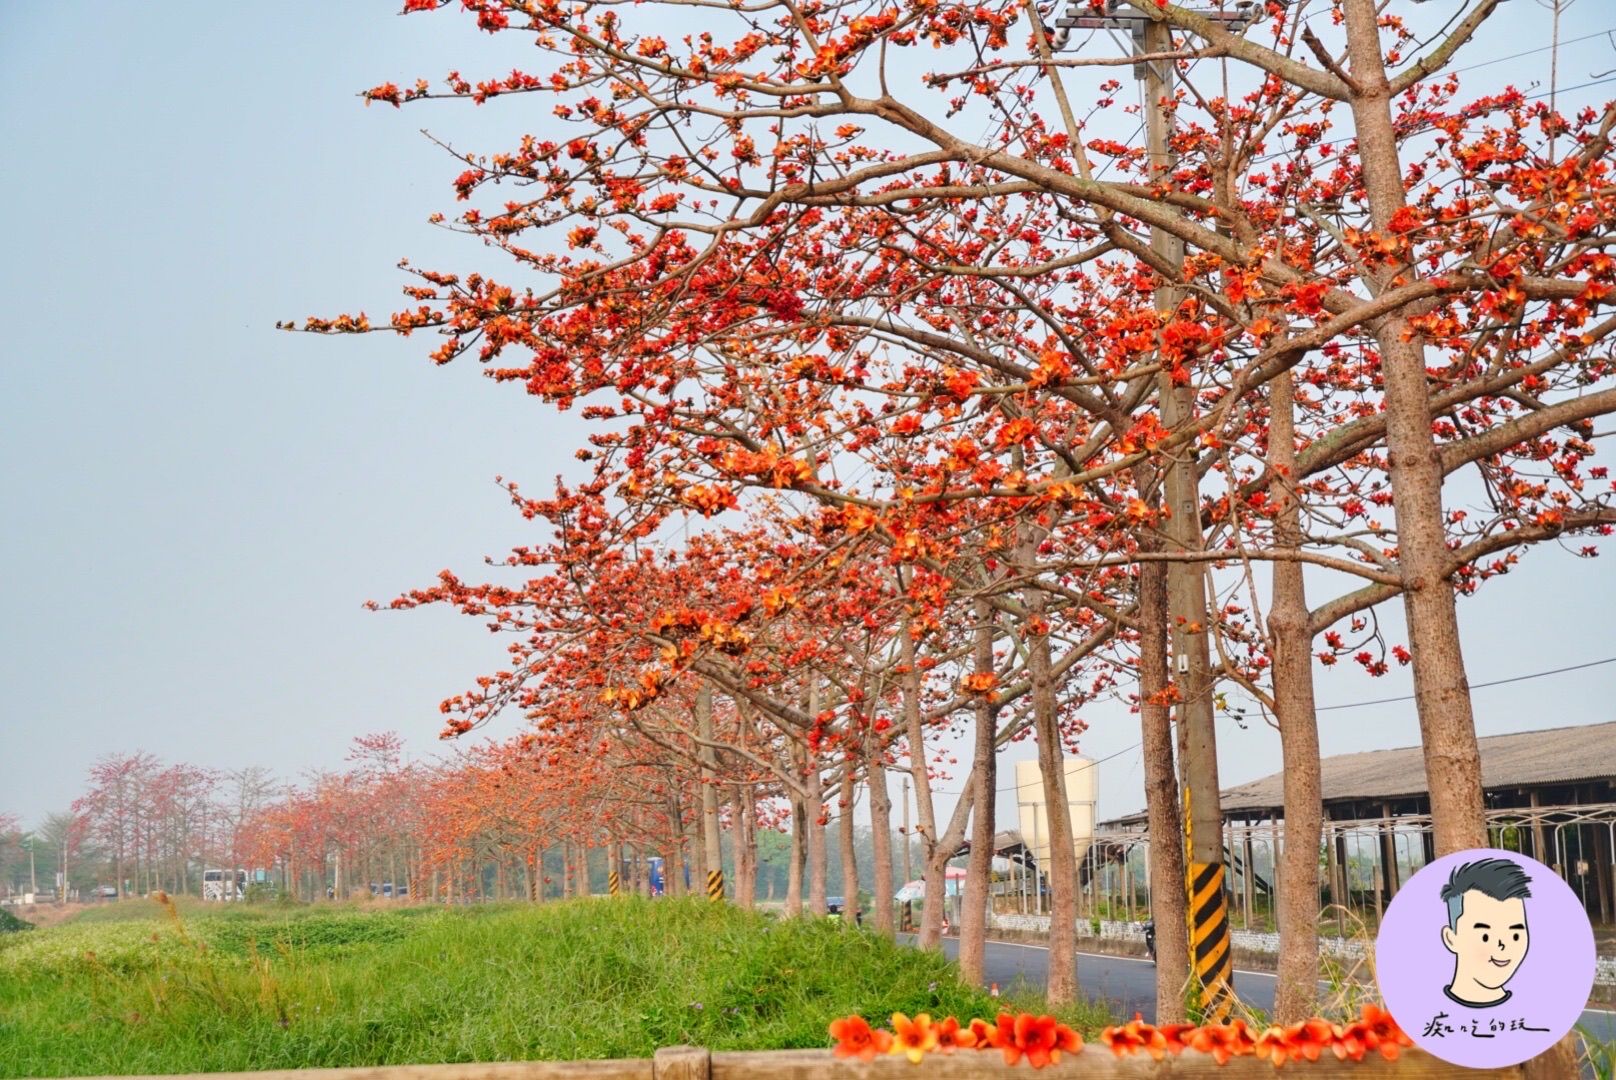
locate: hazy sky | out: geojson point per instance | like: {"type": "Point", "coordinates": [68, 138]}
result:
{"type": "Point", "coordinates": [196, 505]}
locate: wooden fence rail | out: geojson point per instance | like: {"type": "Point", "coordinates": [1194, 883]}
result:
{"type": "Point", "coordinates": [1093, 1063]}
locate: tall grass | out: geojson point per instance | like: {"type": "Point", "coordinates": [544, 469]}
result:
{"type": "Point", "coordinates": [137, 988]}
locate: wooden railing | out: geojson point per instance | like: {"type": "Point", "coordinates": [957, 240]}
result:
{"type": "Point", "coordinates": [1093, 1063]}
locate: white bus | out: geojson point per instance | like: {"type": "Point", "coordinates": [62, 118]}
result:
{"type": "Point", "coordinates": [224, 884]}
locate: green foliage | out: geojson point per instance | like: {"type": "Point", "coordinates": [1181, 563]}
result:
{"type": "Point", "coordinates": [1599, 1057]}
{"type": "Point", "coordinates": [10, 924]}
{"type": "Point", "coordinates": [131, 988]}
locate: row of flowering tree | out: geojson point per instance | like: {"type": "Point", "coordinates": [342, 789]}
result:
{"type": "Point", "coordinates": [522, 819]}
{"type": "Point", "coordinates": [983, 427]}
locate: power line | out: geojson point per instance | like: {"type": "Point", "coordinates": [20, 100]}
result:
{"type": "Point", "coordinates": [1352, 705]}
{"type": "Point", "coordinates": [1533, 52]}
{"type": "Point", "coordinates": [1474, 686]}
{"type": "Point", "coordinates": [1496, 60]}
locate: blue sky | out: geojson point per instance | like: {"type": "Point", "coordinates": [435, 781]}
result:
{"type": "Point", "coordinates": [198, 505]}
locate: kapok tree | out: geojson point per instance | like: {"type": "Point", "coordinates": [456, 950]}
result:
{"type": "Point", "coordinates": [789, 239]}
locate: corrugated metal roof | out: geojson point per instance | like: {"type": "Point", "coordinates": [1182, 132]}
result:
{"type": "Point", "coordinates": [1561, 755]}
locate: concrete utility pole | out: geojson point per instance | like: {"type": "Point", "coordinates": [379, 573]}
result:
{"type": "Point", "coordinates": [709, 795]}
{"type": "Point", "coordinates": [1188, 620]}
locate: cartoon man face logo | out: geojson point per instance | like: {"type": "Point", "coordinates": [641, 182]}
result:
{"type": "Point", "coordinates": [1486, 930]}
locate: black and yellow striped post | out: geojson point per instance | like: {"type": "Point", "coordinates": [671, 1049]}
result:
{"type": "Point", "coordinates": [612, 883]}
{"type": "Point", "coordinates": [1209, 940]}
{"type": "Point", "coordinates": [715, 885]}
{"type": "Point", "coordinates": [1211, 960]}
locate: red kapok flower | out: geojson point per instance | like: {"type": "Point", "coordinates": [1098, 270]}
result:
{"type": "Point", "coordinates": [951, 1037]}
{"type": "Point", "coordinates": [1349, 1041]}
{"type": "Point", "coordinates": [1134, 1036]}
{"type": "Point", "coordinates": [1177, 1036]}
{"type": "Point", "coordinates": [913, 1038]}
{"type": "Point", "coordinates": [1273, 1046]}
{"type": "Point", "coordinates": [1307, 1039]}
{"type": "Point", "coordinates": [1040, 1038]}
{"type": "Point", "coordinates": [855, 1039]}
{"type": "Point", "coordinates": [986, 1035]}
{"type": "Point", "coordinates": [1223, 1041]}
{"type": "Point", "coordinates": [1380, 1032]}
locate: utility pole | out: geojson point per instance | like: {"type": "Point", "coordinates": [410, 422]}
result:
{"type": "Point", "coordinates": [709, 794]}
{"type": "Point", "coordinates": [1188, 622]}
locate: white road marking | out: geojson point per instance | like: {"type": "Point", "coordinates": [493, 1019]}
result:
{"type": "Point", "coordinates": [1114, 956]}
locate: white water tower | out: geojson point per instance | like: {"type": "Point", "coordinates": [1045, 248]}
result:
{"type": "Point", "coordinates": [1034, 808]}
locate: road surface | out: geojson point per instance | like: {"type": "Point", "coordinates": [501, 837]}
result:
{"type": "Point", "coordinates": [1128, 984]}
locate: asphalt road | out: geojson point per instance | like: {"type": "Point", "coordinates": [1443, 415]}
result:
{"type": "Point", "coordinates": [1128, 984]}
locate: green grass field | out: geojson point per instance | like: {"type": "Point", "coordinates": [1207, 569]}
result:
{"type": "Point", "coordinates": [130, 988]}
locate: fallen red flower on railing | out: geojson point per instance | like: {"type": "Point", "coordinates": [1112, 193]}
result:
{"type": "Point", "coordinates": [951, 1037]}
{"type": "Point", "coordinates": [1041, 1039]}
{"type": "Point", "coordinates": [1308, 1039]}
{"type": "Point", "coordinates": [1373, 1030]}
{"type": "Point", "coordinates": [913, 1038]}
{"type": "Point", "coordinates": [855, 1039]}
{"type": "Point", "coordinates": [1134, 1036]}
{"type": "Point", "coordinates": [1223, 1041]}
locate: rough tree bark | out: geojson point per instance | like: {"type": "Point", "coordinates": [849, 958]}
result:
{"type": "Point", "coordinates": [881, 831]}
{"type": "Point", "coordinates": [799, 854]}
{"type": "Point", "coordinates": [973, 916]}
{"type": "Point", "coordinates": [818, 849]}
{"type": "Point", "coordinates": [746, 848]}
{"type": "Point", "coordinates": [931, 913]}
{"type": "Point", "coordinates": [850, 877]}
{"type": "Point", "coordinates": [1441, 691]}
{"type": "Point", "coordinates": [1063, 886]}
{"type": "Point", "coordinates": [1168, 902]}
{"type": "Point", "coordinates": [1297, 995]}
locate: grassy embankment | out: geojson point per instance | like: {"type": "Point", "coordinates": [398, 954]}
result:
{"type": "Point", "coordinates": [132, 989]}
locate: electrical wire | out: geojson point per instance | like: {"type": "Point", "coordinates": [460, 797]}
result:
{"type": "Point", "coordinates": [1354, 705]}
{"type": "Point", "coordinates": [1474, 686]}
{"type": "Point", "coordinates": [1533, 52]}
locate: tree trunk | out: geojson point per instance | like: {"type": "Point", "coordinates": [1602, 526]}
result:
{"type": "Point", "coordinates": [818, 848]}
{"type": "Point", "coordinates": [850, 876]}
{"type": "Point", "coordinates": [1297, 995]}
{"type": "Point", "coordinates": [746, 848]}
{"type": "Point", "coordinates": [880, 832]}
{"type": "Point", "coordinates": [799, 832]}
{"type": "Point", "coordinates": [818, 812]}
{"type": "Point", "coordinates": [1063, 887]}
{"type": "Point", "coordinates": [933, 870]}
{"type": "Point", "coordinates": [583, 870]}
{"type": "Point", "coordinates": [1441, 691]}
{"type": "Point", "coordinates": [974, 905]}
{"type": "Point", "coordinates": [1168, 903]}
{"type": "Point", "coordinates": [695, 843]}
